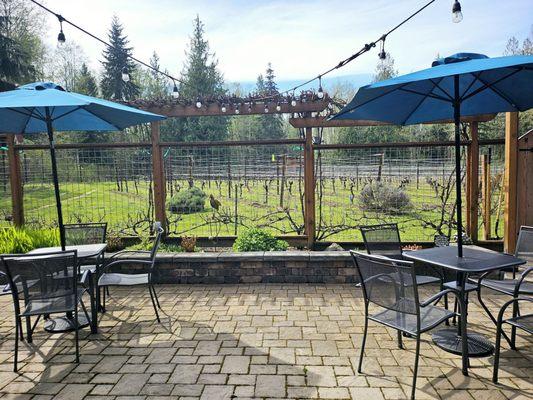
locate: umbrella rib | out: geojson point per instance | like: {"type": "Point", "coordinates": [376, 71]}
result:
{"type": "Point", "coordinates": [67, 113]}
{"type": "Point", "coordinates": [366, 102]}
{"type": "Point", "coordinates": [441, 89]}
{"type": "Point", "coordinates": [102, 118]}
{"type": "Point", "coordinates": [434, 96]}
{"type": "Point", "coordinates": [414, 109]}
{"type": "Point", "coordinates": [487, 86]}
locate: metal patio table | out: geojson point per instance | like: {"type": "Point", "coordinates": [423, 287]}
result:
{"type": "Point", "coordinates": [475, 260]}
{"type": "Point", "coordinates": [85, 252]}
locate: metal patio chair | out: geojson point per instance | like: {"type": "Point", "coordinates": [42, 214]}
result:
{"type": "Point", "coordinates": [384, 239]}
{"type": "Point", "coordinates": [110, 278]}
{"type": "Point", "coordinates": [524, 322]}
{"type": "Point", "coordinates": [391, 286]}
{"type": "Point", "coordinates": [512, 287]}
{"type": "Point", "coordinates": [44, 285]}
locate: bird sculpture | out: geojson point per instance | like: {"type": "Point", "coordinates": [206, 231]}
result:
{"type": "Point", "coordinates": [214, 202]}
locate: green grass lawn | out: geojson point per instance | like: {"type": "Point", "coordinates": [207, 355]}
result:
{"type": "Point", "coordinates": [128, 211]}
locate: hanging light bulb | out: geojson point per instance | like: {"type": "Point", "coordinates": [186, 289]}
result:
{"type": "Point", "coordinates": [382, 54]}
{"type": "Point", "coordinates": [457, 15]}
{"type": "Point", "coordinates": [278, 106]}
{"type": "Point", "coordinates": [266, 109]}
{"type": "Point", "coordinates": [320, 93]}
{"type": "Point", "coordinates": [237, 109]}
{"type": "Point", "coordinates": [330, 106]}
{"type": "Point", "coordinates": [198, 103]}
{"type": "Point", "coordinates": [249, 107]}
{"type": "Point", "coordinates": [293, 101]}
{"type": "Point", "coordinates": [223, 108]}
{"type": "Point", "coordinates": [175, 93]}
{"type": "Point", "coordinates": [125, 75]}
{"type": "Point", "coordinates": [60, 36]}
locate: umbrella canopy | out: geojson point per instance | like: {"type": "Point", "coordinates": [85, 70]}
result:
{"type": "Point", "coordinates": [486, 85]}
{"type": "Point", "coordinates": [23, 110]}
{"type": "Point", "coordinates": [46, 106]}
{"type": "Point", "coordinates": [465, 84]}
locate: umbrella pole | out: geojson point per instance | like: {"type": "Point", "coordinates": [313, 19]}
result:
{"type": "Point", "coordinates": [458, 201]}
{"type": "Point", "coordinates": [55, 177]}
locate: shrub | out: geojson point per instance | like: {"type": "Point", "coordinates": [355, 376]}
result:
{"type": "Point", "coordinates": [18, 241]}
{"type": "Point", "coordinates": [188, 201]}
{"type": "Point", "coordinates": [256, 239]}
{"type": "Point", "coordinates": [114, 242]}
{"type": "Point", "coordinates": [188, 243]}
{"type": "Point", "coordinates": [377, 196]}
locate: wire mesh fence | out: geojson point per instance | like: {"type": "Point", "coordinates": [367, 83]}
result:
{"type": "Point", "coordinates": [219, 190]}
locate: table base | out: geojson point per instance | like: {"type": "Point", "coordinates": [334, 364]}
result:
{"type": "Point", "coordinates": [449, 340]}
{"type": "Point", "coordinates": [65, 324]}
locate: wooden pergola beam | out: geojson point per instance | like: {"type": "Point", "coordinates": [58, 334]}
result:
{"type": "Point", "coordinates": [510, 183]}
{"type": "Point", "coordinates": [173, 109]}
{"type": "Point", "coordinates": [322, 122]}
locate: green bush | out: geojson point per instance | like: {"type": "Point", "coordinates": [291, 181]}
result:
{"type": "Point", "coordinates": [256, 239]}
{"type": "Point", "coordinates": [188, 201]}
{"type": "Point", "coordinates": [18, 241]}
{"type": "Point", "coordinates": [377, 196]}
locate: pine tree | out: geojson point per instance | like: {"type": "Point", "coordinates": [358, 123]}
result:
{"type": "Point", "coordinates": [116, 59]}
{"type": "Point", "coordinates": [269, 126]}
{"type": "Point", "coordinates": [200, 79]}
{"type": "Point", "coordinates": [385, 69]}
{"type": "Point", "coordinates": [86, 82]}
{"type": "Point", "coordinates": [153, 85]}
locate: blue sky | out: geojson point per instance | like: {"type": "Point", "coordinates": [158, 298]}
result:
{"type": "Point", "coordinates": [300, 38]}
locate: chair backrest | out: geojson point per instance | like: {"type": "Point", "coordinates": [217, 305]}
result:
{"type": "Point", "coordinates": [155, 246]}
{"type": "Point", "coordinates": [42, 276]}
{"type": "Point", "coordinates": [524, 245]}
{"type": "Point", "coordinates": [382, 239]}
{"type": "Point", "coordinates": [87, 233]}
{"type": "Point", "coordinates": [388, 283]}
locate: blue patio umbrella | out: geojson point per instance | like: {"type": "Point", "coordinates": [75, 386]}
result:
{"type": "Point", "coordinates": [47, 107]}
{"type": "Point", "coordinates": [464, 84]}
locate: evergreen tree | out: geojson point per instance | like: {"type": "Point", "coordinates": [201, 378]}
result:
{"type": "Point", "coordinates": [116, 59]}
{"type": "Point", "coordinates": [269, 126]}
{"type": "Point", "coordinates": [385, 69]}
{"type": "Point", "coordinates": [152, 84]}
{"type": "Point", "coordinates": [200, 79]}
{"type": "Point", "coordinates": [86, 82]}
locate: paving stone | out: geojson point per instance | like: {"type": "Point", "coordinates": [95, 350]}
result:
{"type": "Point", "coordinates": [236, 364]}
{"type": "Point", "coordinates": [270, 386]}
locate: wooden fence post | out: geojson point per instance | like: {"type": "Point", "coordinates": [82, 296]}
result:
{"type": "Point", "coordinates": [510, 181]}
{"type": "Point", "coordinates": [15, 181]}
{"type": "Point", "coordinates": [309, 188]}
{"type": "Point", "coordinates": [158, 172]}
{"type": "Point", "coordinates": [486, 190]}
{"type": "Point", "coordinates": [472, 172]}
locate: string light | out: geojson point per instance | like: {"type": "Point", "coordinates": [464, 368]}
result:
{"type": "Point", "coordinates": [198, 103]}
{"type": "Point", "coordinates": [278, 106]}
{"type": "Point", "coordinates": [266, 109]}
{"type": "Point", "coordinates": [382, 54]}
{"type": "Point", "coordinates": [125, 75]}
{"type": "Point", "coordinates": [457, 15]}
{"type": "Point", "coordinates": [175, 93]}
{"type": "Point", "coordinates": [293, 101]}
{"type": "Point", "coordinates": [320, 93]}
{"type": "Point", "coordinates": [223, 108]}
{"type": "Point", "coordinates": [61, 36]}
{"type": "Point", "coordinates": [237, 109]}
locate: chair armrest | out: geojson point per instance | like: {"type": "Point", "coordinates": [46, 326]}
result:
{"type": "Point", "coordinates": [522, 278]}
{"type": "Point", "coordinates": [126, 261]}
{"type": "Point", "coordinates": [508, 303]}
{"type": "Point", "coordinates": [85, 277]}
{"type": "Point", "coordinates": [436, 297]}
{"type": "Point", "coordinates": [122, 252]}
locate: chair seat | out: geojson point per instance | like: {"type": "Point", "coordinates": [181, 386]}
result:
{"type": "Point", "coordinates": [524, 322]}
{"type": "Point", "coordinates": [507, 286]}
{"type": "Point", "coordinates": [426, 279]}
{"type": "Point", "coordinates": [122, 279]}
{"type": "Point", "coordinates": [51, 305]}
{"type": "Point", "coordinates": [430, 316]}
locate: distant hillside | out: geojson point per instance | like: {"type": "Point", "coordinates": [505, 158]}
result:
{"type": "Point", "coordinates": [354, 80]}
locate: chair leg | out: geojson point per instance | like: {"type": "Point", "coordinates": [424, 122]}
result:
{"type": "Point", "coordinates": [415, 369]}
{"type": "Point", "coordinates": [76, 333]}
{"type": "Point", "coordinates": [153, 303]}
{"type": "Point", "coordinates": [359, 368]}
{"type": "Point", "coordinates": [155, 296]}
{"type": "Point", "coordinates": [497, 345]}
{"type": "Point", "coordinates": [29, 332]}
{"type": "Point", "coordinates": [18, 324]}
{"type": "Point", "coordinates": [493, 319]}
{"type": "Point", "coordinates": [103, 298]}
{"type": "Point", "coordinates": [400, 342]}
{"type": "Point", "coordinates": [513, 328]}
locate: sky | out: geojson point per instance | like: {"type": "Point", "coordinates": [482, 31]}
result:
{"type": "Point", "coordinates": [300, 38]}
